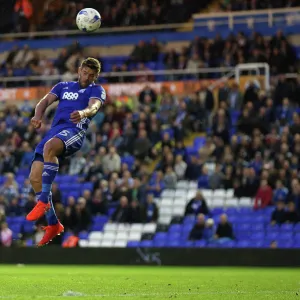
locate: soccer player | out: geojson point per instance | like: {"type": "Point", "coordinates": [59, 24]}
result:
{"type": "Point", "coordinates": [79, 101]}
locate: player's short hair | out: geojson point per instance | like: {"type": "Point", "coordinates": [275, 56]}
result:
{"type": "Point", "coordinates": [92, 63]}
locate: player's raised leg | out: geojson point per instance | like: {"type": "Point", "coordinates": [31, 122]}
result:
{"type": "Point", "coordinates": [52, 149]}
{"type": "Point", "coordinates": [36, 183]}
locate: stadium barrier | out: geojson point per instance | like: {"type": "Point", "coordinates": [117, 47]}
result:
{"type": "Point", "coordinates": [152, 256]}
{"type": "Point", "coordinates": [131, 89]}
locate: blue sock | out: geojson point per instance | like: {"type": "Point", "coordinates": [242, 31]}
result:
{"type": "Point", "coordinates": [50, 215]}
{"type": "Point", "coordinates": [37, 195]}
{"type": "Point", "coordinates": [49, 172]}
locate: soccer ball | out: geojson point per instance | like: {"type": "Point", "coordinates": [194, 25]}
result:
{"type": "Point", "coordinates": [88, 20]}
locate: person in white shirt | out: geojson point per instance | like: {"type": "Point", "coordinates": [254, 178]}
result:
{"type": "Point", "coordinates": [5, 235]}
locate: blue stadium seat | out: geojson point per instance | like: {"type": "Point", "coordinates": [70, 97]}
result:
{"type": "Point", "coordinates": [187, 244]}
{"type": "Point", "coordinates": [200, 243]}
{"type": "Point", "coordinates": [100, 219]}
{"type": "Point", "coordinates": [297, 227]}
{"type": "Point", "coordinates": [174, 236]}
{"type": "Point", "coordinates": [133, 244]}
{"type": "Point", "coordinates": [28, 227]}
{"type": "Point", "coordinates": [243, 244]}
{"type": "Point", "coordinates": [189, 220]}
{"type": "Point", "coordinates": [160, 236]}
{"type": "Point", "coordinates": [286, 227]}
{"type": "Point", "coordinates": [173, 244]}
{"type": "Point", "coordinates": [257, 227]}
{"type": "Point", "coordinates": [159, 243]}
{"type": "Point", "coordinates": [146, 244]}
{"type": "Point", "coordinates": [203, 182]}
{"type": "Point", "coordinates": [175, 228]}
{"type": "Point", "coordinates": [228, 244]}
{"type": "Point", "coordinates": [97, 227]}
{"type": "Point", "coordinates": [29, 243]}
{"type": "Point", "coordinates": [83, 235]}
{"type": "Point", "coordinates": [87, 186]}
{"type": "Point", "coordinates": [258, 236]}
{"type": "Point", "coordinates": [270, 236]}
{"type": "Point", "coordinates": [16, 227]}
{"type": "Point", "coordinates": [272, 228]}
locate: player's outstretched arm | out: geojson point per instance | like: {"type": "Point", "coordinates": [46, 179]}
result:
{"type": "Point", "coordinates": [40, 109]}
{"type": "Point", "coordinates": [90, 111]}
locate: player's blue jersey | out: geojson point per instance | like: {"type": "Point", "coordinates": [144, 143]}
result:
{"type": "Point", "coordinates": [72, 97]}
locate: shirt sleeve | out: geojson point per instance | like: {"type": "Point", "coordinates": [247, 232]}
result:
{"type": "Point", "coordinates": [99, 93]}
{"type": "Point", "coordinates": [56, 90]}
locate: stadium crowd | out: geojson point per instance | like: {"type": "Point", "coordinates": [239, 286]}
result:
{"type": "Point", "coordinates": [256, 153]}
{"type": "Point", "coordinates": [53, 15]}
{"type": "Point", "coordinates": [201, 53]}
{"type": "Point", "coordinates": [238, 5]}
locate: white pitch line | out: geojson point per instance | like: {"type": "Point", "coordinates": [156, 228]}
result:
{"type": "Point", "coordinates": [159, 294]}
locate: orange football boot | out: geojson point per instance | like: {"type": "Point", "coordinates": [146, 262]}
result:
{"type": "Point", "coordinates": [51, 231]}
{"type": "Point", "coordinates": [38, 211]}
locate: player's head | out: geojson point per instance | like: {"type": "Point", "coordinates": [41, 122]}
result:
{"type": "Point", "coordinates": [89, 71]}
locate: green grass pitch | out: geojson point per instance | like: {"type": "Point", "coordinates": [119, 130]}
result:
{"type": "Point", "coordinates": [111, 282]}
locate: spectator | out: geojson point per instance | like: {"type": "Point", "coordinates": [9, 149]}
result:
{"type": "Point", "coordinates": [197, 205]}
{"type": "Point", "coordinates": [77, 164]}
{"type": "Point", "coordinates": [263, 196]}
{"type": "Point", "coordinates": [170, 178]}
{"type": "Point", "coordinates": [198, 229]}
{"type": "Point", "coordinates": [6, 235]}
{"type": "Point", "coordinates": [121, 214]}
{"type": "Point", "coordinates": [30, 203]}
{"type": "Point", "coordinates": [134, 215]}
{"type": "Point", "coordinates": [291, 215]}
{"type": "Point", "coordinates": [224, 230]}
{"type": "Point", "coordinates": [56, 194]}
{"type": "Point", "coordinates": [142, 145]}
{"type": "Point", "coordinates": [83, 218]}
{"type": "Point", "coordinates": [180, 167]}
{"type": "Point", "coordinates": [97, 205]}
{"type": "Point", "coordinates": [279, 214]}
{"type": "Point", "coordinates": [10, 188]}
{"type": "Point", "coordinates": [209, 230]}
{"type": "Point", "coordinates": [14, 209]}
{"type": "Point", "coordinates": [150, 210]}
{"type": "Point", "coordinates": [111, 161]}
{"type": "Point", "coordinates": [156, 185]}
{"type": "Point", "coordinates": [216, 178]}
{"type": "Point", "coordinates": [280, 193]}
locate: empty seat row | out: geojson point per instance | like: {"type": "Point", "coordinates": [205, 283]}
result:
{"type": "Point", "coordinates": [98, 235]}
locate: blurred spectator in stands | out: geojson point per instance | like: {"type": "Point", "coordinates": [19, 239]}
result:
{"type": "Point", "coordinates": [97, 204]}
{"type": "Point", "coordinates": [149, 210]}
{"type": "Point", "coordinates": [180, 167]}
{"type": "Point", "coordinates": [193, 64]}
{"type": "Point", "coordinates": [142, 145]}
{"type": "Point", "coordinates": [216, 178]}
{"type": "Point", "coordinates": [249, 182]}
{"type": "Point", "coordinates": [145, 73]}
{"type": "Point", "coordinates": [23, 57]}
{"type": "Point", "coordinates": [69, 219]}
{"type": "Point", "coordinates": [83, 217]}
{"type": "Point", "coordinates": [209, 230]}
{"type": "Point", "coordinates": [14, 209]}
{"type": "Point", "coordinates": [111, 161]}
{"type": "Point", "coordinates": [291, 215]}
{"type": "Point", "coordinates": [235, 97]}
{"type": "Point", "coordinates": [227, 182]}
{"type": "Point", "coordinates": [121, 214]}
{"type": "Point", "coordinates": [77, 164]}
{"type": "Point", "coordinates": [147, 92]}
{"type": "Point", "coordinates": [263, 196]}
{"type": "Point", "coordinates": [197, 205]}
{"type": "Point", "coordinates": [10, 188]}
{"type": "Point", "coordinates": [294, 194]}
{"type": "Point", "coordinates": [25, 190]}
{"type": "Point", "coordinates": [198, 229]}
{"type": "Point", "coordinates": [134, 214]}
{"type": "Point", "coordinates": [139, 53]}
{"type": "Point", "coordinates": [279, 214]}
{"type": "Point", "coordinates": [56, 194]}
{"type": "Point", "coordinates": [284, 113]}
{"type": "Point", "coordinates": [220, 126]}
{"type": "Point", "coordinates": [170, 178]}
{"type": "Point", "coordinates": [5, 235]}
{"type": "Point", "coordinates": [30, 203]}
{"type": "Point", "coordinates": [27, 155]}
{"type": "Point", "coordinates": [280, 193]}
{"type": "Point", "coordinates": [224, 230]}
{"type": "Point", "coordinates": [23, 13]}
{"type": "Point", "coordinates": [156, 184]}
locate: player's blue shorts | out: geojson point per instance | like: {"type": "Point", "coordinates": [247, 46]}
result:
{"type": "Point", "coordinates": [72, 138]}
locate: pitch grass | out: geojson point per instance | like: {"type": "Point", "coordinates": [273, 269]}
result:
{"type": "Point", "coordinates": [110, 282]}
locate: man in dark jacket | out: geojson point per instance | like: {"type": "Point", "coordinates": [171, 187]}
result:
{"type": "Point", "coordinates": [224, 230]}
{"type": "Point", "coordinates": [197, 205]}
{"type": "Point", "coordinates": [121, 214]}
{"type": "Point", "coordinates": [198, 229]}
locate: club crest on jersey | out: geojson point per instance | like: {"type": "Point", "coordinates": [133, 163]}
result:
{"type": "Point", "coordinates": [70, 96]}
{"type": "Point", "coordinates": [81, 91]}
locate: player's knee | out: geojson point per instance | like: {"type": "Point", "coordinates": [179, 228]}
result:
{"type": "Point", "coordinates": [52, 148]}
{"type": "Point", "coordinates": [34, 178]}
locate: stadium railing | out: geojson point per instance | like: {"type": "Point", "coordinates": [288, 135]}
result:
{"type": "Point", "coordinates": [229, 20]}
{"type": "Point", "coordinates": [271, 17]}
